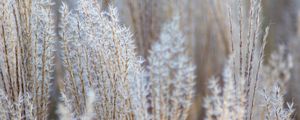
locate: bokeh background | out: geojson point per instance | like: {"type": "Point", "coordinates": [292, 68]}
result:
{"type": "Point", "coordinates": [206, 30]}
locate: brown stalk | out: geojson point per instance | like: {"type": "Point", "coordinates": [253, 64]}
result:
{"type": "Point", "coordinates": [16, 53]}
{"type": "Point", "coordinates": [248, 39]}
{"type": "Point", "coordinates": [118, 65]}
{"type": "Point", "coordinates": [11, 94]}
{"type": "Point", "coordinates": [125, 80]}
{"type": "Point", "coordinates": [259, 64]}
{"type": "Point", "coordinates": [81, 79]}
{"type": "Point", "coordinates": [36, 85]}
{"type": "Point", "coordinates": [43, 75]}
{"type": "Point", "coordinates": [1, 73]}
{"type": "Point", "coordinates": [104, 89]}
{"type": "Point", "coordinates": [255, 38]}
{"type": "Point", "coordinates": [70, 70]}
{"type": "Point", "coordinates": [3, 82]}
{"type": "Point", "coordinates": [241, 37]}
{"type": "Point", "coordinates": [231, 40]}
{"type": "Point", "coordinates": [88, 68]}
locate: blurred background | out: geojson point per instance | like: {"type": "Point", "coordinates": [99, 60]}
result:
{"type": "Point", "coordinates": [206, 29]}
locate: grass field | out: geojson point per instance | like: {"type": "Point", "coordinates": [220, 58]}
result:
{"type": "Point", "coordinates": [149, 59]}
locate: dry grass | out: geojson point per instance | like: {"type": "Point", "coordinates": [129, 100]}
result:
{"type": "Point", "coordinates": [149, 73]}
{"type": "Point", "coordinates": [26, 58]}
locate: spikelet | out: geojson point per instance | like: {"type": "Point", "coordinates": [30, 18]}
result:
{"type": "Point", "coordinates": [227, 102]}
{"type": "Point", "coordinates": [171, 75]}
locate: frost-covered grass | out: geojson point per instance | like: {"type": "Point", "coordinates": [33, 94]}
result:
{"type": "Point", "coordinates": [105, 78]}
{"type": "Point", "coordinates": [26, 62]}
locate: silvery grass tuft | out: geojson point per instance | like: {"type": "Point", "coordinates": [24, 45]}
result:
{"type": "Point", "coordinates": [225, 103]}
{"type": "Point", "coordinates": [276, 74]}
{"type": "Point", "coordinates": [243, 74]}
{"type": "Point", "coordinates": [26, 44]}
{"type": "Point", "coordinates": [228, 103]}
{"type": "Point", "coordinates": [171, 75]}
{"type": "Point", "coordinates": [98, 55]}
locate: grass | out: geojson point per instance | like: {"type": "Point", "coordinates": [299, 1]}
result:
{"type": "Point", "coordinates": [112, 74]}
